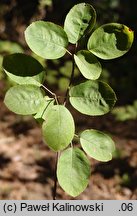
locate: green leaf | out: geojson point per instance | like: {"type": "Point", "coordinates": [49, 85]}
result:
{"type": "Point", "coordinates": [79, 21]}
{"type": "Point", "coordinates": [46, 39]}
{"type": "Point", "coordinates": [92, 97]}
{"type": "Point", "coordinates": [97, 145]}
{"type": "Point", "coordinates": [44, 107]}
{"type": "Point", "coordinates": [34, 80]}
{"type": "Point", "coordinates": [10, 47]}
{"type": "Point", "coordinates": [73, 171]}
{"type": "Point", "coordinates": [21, 65]}
{"type": "Point", "coordinates": [111, 41]}
{"type": "Point", "coordinates": [24, 99]}
{"type": "Point", "coordinates": [88, 64]}
{"type": "Point", "coordinates": [58, 129]}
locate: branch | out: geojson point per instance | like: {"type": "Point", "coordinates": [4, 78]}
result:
{"type": "Point", "coordinates": [52, 93]}
{"type": "Point", "coordinates": [55, 177]}
{"type": "Point", "coordinates": [70, 82]}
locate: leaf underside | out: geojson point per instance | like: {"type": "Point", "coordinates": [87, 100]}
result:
{"type": "Point", "coordinates": [97, 144]}
{"type": "Point", "coordinates": [79, 21]}
{"type": "Point", "coordinates": [88, 64]}
{"type": "Point", "coordinates": [111, 41]}
{"type": "Point", "coordinates": [46, 39]}
{"type": "Point", "coordinates": [92, 98]}
{"type": "Point", "coordinates": [58, 129]}
{"type": "Point", "coordinates": [73, 171]}
{"type": "Point", "coordinates": [24, 99]}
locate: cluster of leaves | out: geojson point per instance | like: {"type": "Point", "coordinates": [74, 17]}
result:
{"type": "Point", "coordinates": [127, 112]}
{"type": "Point", "coordinates": [92, 97]}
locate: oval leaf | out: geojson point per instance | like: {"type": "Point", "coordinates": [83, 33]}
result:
{"type": "Point", "coordinates": [23, 99]}
{"type": "Point", "coordinates": [34, 80]}
{"type": "Point", "coordinates": [58, 129]}
{"type": "Point", "coordinates": [97, 145]}
{"type": "Point", "coordinates": [46, 39]}
{"type": "Point", "coordinates": [79, 21]}
{"type": "Point", "coordinates": [88, 64]}
{"type": "Point", "coordinates": [21, 65]}
{"type": "Point", "coordinates": [92, 98]}
{"type": "Point", "coordinates": [111, 41]}
{"type": "Point", "coordinates": [73, 171]}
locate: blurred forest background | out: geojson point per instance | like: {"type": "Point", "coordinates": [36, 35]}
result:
{"type": "Point", "coordinates": [26, 164]}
